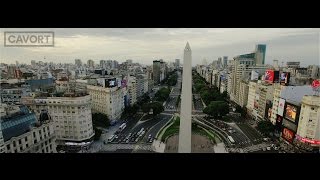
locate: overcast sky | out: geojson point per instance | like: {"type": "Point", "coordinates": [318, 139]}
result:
{"type": "Point", "coordinates": [144, 45]}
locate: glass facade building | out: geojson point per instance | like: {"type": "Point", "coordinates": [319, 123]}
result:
{"type": "Point", "coordinates": [18, 123]}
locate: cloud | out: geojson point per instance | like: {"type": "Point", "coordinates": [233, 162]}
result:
{"type": "Point", "coordinates": [147, 44]}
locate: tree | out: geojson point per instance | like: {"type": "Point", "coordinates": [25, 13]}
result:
{"type": "Point", "coordinates": [97, 134]}
{"type": "Point", "coordinates": [241, 110]}
{"type": "Point", "coordinates": [155, 106]}
{"type": "Point", "coordinates": [217, 109]}
{"type": "Point", "coordinates": [100, 120]}
{"type": "Point", "coordinates": [266, 127]}
{"type": "Point", "coordinates": [162, 95]}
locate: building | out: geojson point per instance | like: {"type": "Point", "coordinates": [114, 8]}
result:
{"type": "Point", "coordinates": [15, 120]}
{"type": "Point", "coordinates": [243, 93]}
{"type": "Point", "coordinates": [2, 150]}
{"type": "Point", "coordinates": [242, 68]}
{"type": "Point", "coordinates": [72, 117]}
{"type": "Point", "coordinates": [177, 63]}
{"type": "Point", "coordinates": [142, 85]}
{"type": "Point", "coordinates": [293, 64]}
{"type": "Point", "coordinates": [308, 133]}
{"type": "Point", "coordinates": [37, 84]}
{"type": "Point", "coordinates": [12, 94]}
{"type": "Point", "coordinates": [103, 64]}
{"type": "Point", "coordinates": [260, 54]}
{"type": "Point", "coordinates": [251, 96]}
{"type": "Point", "coordinates": [107, 99]}
{"type": "Point", "coordinates": [156, 71]}
{"type": "Point", "coordinates": [90, 63]}
{"type": "Point", "coordinates": [225, 61]}
{"type": "Point", "coordinates": [314, 71]}
{"type": "Point", "coordinates": [129, 61]}
{"type": "Point", "coordinates": [132, 90]}
{"type": "Point", "coordinates": [78, 62]}
{"type": "Point", "coordinates": [265, 100]}
{"type": "Point", "coordinates": [24, 132]}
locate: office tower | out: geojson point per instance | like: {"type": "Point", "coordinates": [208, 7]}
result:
{"type": "Point", "coordinates": [156, 72]}
{"type": "Point", "coordinates": [260, 54]}
{"type": "Point", "coordinates": [78, 62]}
{"type": "Point", "coordinates": [177, 63]}
{"type": "Point", "coordinates": [90, 63]}
{"type": "Point", "coordinates": [225, 61]}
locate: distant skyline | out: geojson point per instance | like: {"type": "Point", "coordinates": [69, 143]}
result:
{"type": "Point", "coordinates": [143, 45]}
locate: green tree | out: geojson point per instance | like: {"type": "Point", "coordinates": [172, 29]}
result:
{"type": "Point", "coordinates": [266, 127]}
{"type": "Point", "coordinates": [100, 120]}
{"type": "Point", "coordinates": [155, 106]}
{"type": "Point", "coordinates": [97, 134]}
{"type": "Point", "coordinates": [217, 109]}
{"type": "Point", "coordinates": [162, 94]}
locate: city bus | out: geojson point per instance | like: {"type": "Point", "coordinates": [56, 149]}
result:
{"type": "Point", "coordinates": [122, 126]}
{"type": "Point", "coordinates": [231, 140]}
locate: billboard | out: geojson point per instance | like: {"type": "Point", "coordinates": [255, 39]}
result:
{"type": "Point", "coordinates": [288, 135]}
{"type": "Point", "coordinates": [285, 78]}
{"type": "Point", "coordinates": [123, 83]}
{"type": "Point", "coordinates": [281, 106]}
{"type": "Point", "coordinates": [271, 76]}
{"type": "Point", "coordinates": [254, 75]}
{"type": "Point", "coordinates": [110, 82]}
{"type": "Point", "coordinates": [291, 112]}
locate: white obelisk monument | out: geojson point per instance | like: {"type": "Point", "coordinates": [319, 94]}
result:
{"type": "Point", "coordinates": [186, 103]}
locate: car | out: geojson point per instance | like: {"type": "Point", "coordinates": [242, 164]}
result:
{"type": "Point", "coordinates": [137, 140]}
{"type": "Point", "coordinates": [276, 148]}
{"type": "Point", "coordinates": [150, 140]}
{"type": "Point", "coordinates": [149, 136]}
{"type": "Point", "coordinates": [268, 148]}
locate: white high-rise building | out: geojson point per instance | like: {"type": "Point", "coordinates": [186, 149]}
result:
{"type": "Point", "coordinates": [71, 115]}
{"type": "Point", "coordinates": [243, 93]}
{"type": "Point", "coordinates": [251, 97]}
{"type": "Point", "coordinates": [107, 100]}
{"type": "Point", "coordinates": [186, 103]}
{"type": "Point", "coordinates": [132, 90]}
{"type": "Point", "coordinates": [309, 121]}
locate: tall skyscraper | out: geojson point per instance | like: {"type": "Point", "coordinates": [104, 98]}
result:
{"type": "Point", "coordinates": [186, 101]}
{"type": "Point", "coordinates": [78, 62]}
{"type": "Point", "coordinates": [90, 63]}
{"type": "Point", "coordinates": [177, 63]}
{"type": "Point", "coordinates": [225, 61]}
{"type": "Point", "coordinates": [156, 71]}
{"type": "Point", "coordinates": [260, 53]}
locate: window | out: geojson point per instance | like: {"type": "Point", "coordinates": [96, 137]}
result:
{"type": "Point", "coordinates": [19, 142]}
{"type": "Point", "coordinates": [8, 146]}
{"type": "Point", "coordinates": [312, 108]}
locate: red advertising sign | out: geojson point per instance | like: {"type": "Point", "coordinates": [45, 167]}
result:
{"type": "Point", "coordinates": [305, 140]}
{"type": "Point", "coordinates": [288, 135]}
{"type": "Point", "coordinates": [315, 84]}
{"type": "Point", "coordinates": [269, 76]}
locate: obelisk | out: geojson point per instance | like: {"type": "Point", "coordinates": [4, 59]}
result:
{"type": "Point", "coordinates": [186, 103]}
